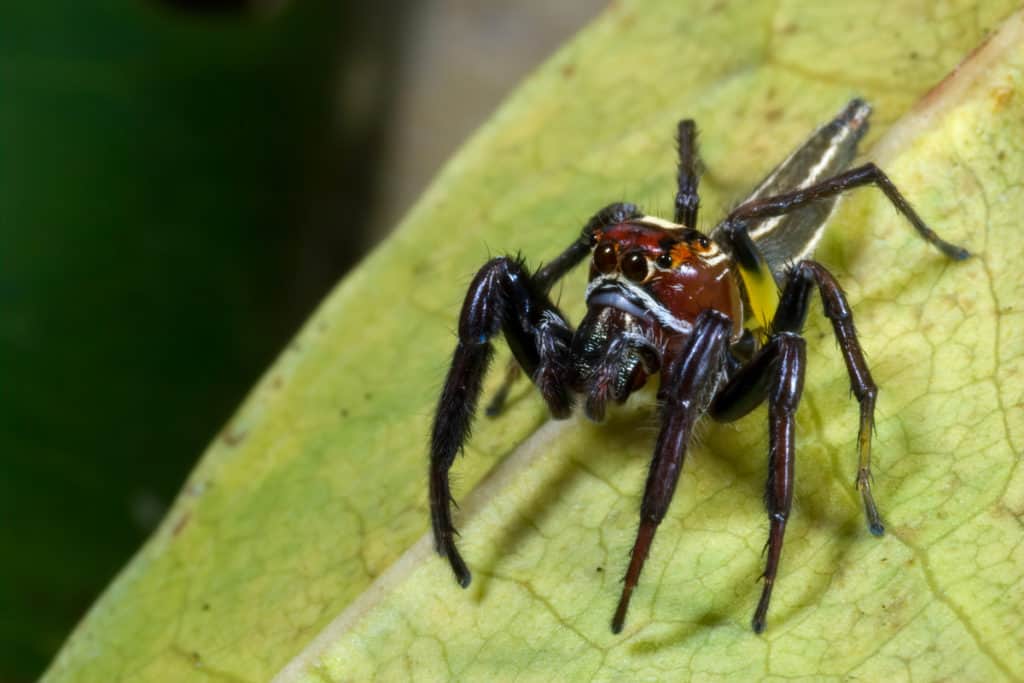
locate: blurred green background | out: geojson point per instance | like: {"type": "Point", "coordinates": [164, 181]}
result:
{"type": "Point", "coordinates": [180, 183]}
{"type": "Point", "coordinates": [164, 177]}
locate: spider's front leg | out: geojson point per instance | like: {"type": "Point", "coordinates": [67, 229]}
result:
{"type": "Point", "coordinates": [503, 296]}
{"type": "Point", "coordinates": [548, 275]}
{"type": "Point", "coordinates": [688, 383]}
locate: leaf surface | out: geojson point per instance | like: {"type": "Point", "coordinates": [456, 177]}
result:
{"type": "Point", "coordinates": [298, 542]}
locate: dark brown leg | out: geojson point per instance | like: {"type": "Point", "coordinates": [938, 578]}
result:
{"type": "Point", "coordinates": [687, 197]}
{"type": "Point", "coordinates": [868, 174]}
{"type": "Point", "coordinates": [501, 296]}
{"type": "Point", "coordinates": [792, 312]}
{"type": "Point", "coordinates": [684, 384]}
{"type": "Point", "coordinates": [783, 398]}
{"type": "Point", "coordinates": [774, 373]}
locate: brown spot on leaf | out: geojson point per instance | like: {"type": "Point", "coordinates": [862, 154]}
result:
{"type": "Point", "coordinates": [1001, 98]}
{"type": "Point", "coordinates": [232, 438]}
{"type": "Point", "coordinates": [181, 524]}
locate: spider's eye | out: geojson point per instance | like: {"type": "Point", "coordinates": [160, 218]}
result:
{"type": "Point", "coordinates": [604, 258]}
{"type": "Point", "coordinates": [703, 242]}
{"type": "Point", "coordinates": [634, 266]}
{"type": "Point", "coordinates": [665, 260]}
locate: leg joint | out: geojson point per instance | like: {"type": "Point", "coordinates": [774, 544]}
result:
{"type": "Point", "coordinates": [832, 297]}
{"type": "Point", "coordinates": [485, 306]}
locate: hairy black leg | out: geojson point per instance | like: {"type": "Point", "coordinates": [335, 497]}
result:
{"type": "Point", "coordinates": [868, 174]}
{"type": "Point", "coordinates": [687, 197]}
{"type": "Point", "coordinates": [687, 386]}
{"type": "Point", "coordinates": [791, 315]}
{"type": "Point", "coordinates": [501, 296]}
{"type": "Point", "coordinates": [774, 373]}
{"type": "Point", "coordinates": [549, 274]}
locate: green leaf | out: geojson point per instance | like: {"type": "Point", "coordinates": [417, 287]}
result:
{"type": "Point", "coordinates": [299, 540]}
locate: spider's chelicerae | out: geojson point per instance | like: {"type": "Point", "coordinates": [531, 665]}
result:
{"type": "Point", "coordinates": [717, 317]}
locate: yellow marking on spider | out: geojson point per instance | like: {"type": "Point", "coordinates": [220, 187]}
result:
{"type": "Point", "coordinates": [762, 293]}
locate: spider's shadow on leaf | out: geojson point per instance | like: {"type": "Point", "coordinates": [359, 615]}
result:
{"type": "Point", "coordinates": [618, 434]}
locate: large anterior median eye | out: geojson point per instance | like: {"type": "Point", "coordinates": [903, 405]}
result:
{"type": "Point", "coordinates": [634, 266]}
{"type": "Point", "coordinates": [604, 258]}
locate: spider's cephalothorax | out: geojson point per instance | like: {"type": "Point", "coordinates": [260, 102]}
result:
{"type": "Point", "coordinates": [717, 317]}
{"type": "Point", "coordinates": [649, 281]}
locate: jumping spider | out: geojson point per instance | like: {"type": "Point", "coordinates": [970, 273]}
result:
{"type": "Point", "coordinates": [665, 299]}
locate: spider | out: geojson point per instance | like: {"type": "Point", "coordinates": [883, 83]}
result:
{"type": "Point", "coordinates": [716, 317]}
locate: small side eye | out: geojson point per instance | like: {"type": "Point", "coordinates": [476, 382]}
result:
{"type": "Point", "coordinates": [604, 258]}
{"type": "Point", "coordinates": [665, 260]}
{"type": "Point", "coordinates": [703, 242]}
{"type": "Point", "coordinates": [634, 266]}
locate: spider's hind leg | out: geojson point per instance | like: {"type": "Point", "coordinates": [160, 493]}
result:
{"type": "Point", "coordinates": [504, 297]}
{"type": "Point", "coordinates": [791, 315]}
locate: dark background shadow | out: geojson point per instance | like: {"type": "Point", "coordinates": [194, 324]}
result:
{"type": "Point", "coordinates": [181, 181]}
